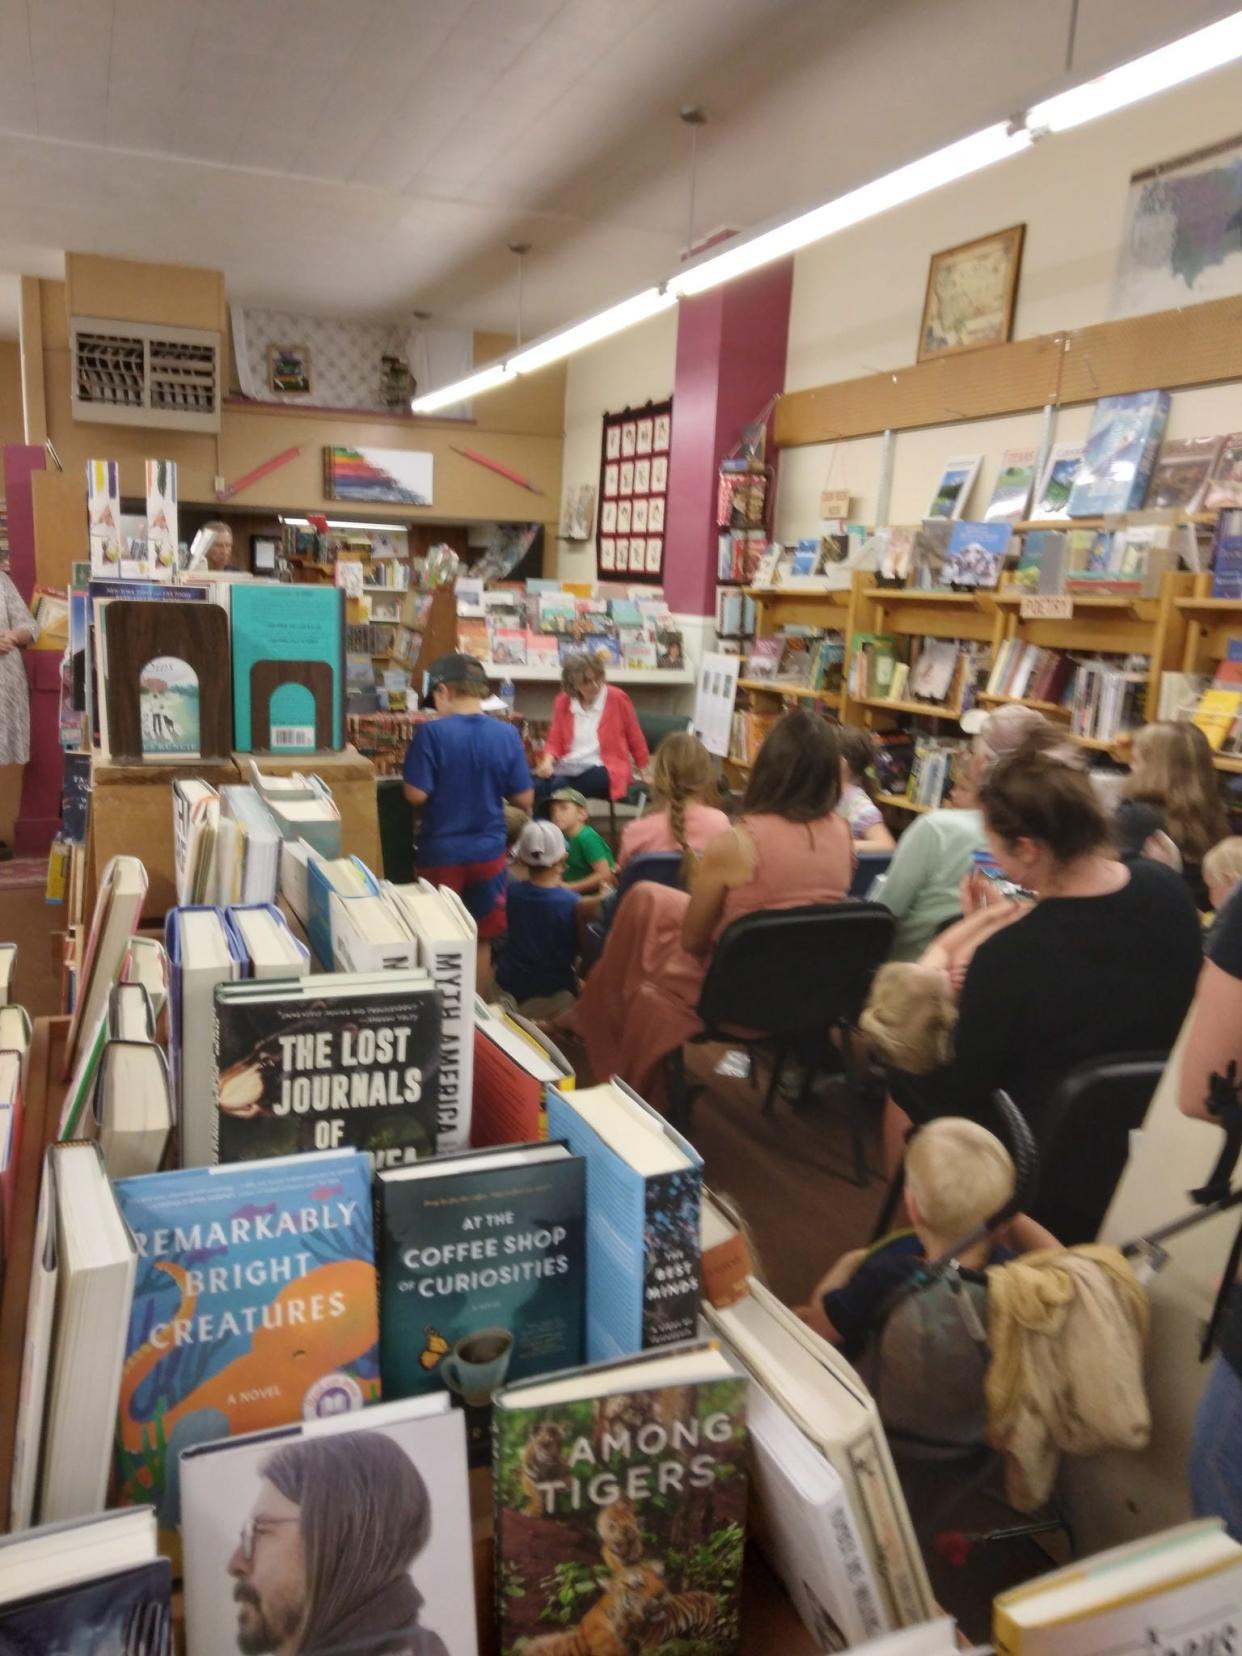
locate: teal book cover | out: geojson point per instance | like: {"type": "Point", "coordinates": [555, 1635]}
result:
{"type": "Point", "coordinates": [288, 668]}
{"type": "Point", "coordinates": [482, 1274]}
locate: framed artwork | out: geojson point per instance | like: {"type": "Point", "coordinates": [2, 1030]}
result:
{"type": "Point", "coordinates": [578, 511]}
{"type": "Point", "coordinates": [289, 370]}
{"type": "Point", "coordinates": [633, 473]}
{"type": "Point", "coordinates": [263, 551]}
{"type": "Point", "coordinates": [370, 476]}
{"type": "Point", "coordinates": [971, 292]}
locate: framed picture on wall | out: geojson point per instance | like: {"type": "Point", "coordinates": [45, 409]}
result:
{"type": "Point", "coordinates": [642, 437]}
{"type": "Point", "coordinates": [971, 292]}
{"type": "Point", "coordinates": [659, 474]}
{"type": "Point", "coordinates": [629, 433]}
{"type": "Point", "coordinates": [642, 476]}
{"type": "Point", "coordinates": [662, 432]}
{"type": "Point", "coordinates": [627, 477]}
{"type": "Point", "coordinates": [289, 370]}
{"type": "Point", "coordinates": [607, 552]}
{"type": "Point", "coordinates": [612, 442]}
{"type": "Point", "coordinates": [624, 509]}
{"type": "Point", "coordinates": [633, 472]}
{"type": "Point", "coordinates": [638, 520]}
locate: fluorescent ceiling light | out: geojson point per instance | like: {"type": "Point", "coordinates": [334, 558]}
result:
{"type": "Point", "coordinates": [1180, 61]}
{"type": "Point", "coordinates": [565, 341]}
{"type": "Point", "coordinates": [943, 166]}
{"type": "Point", "coordinates": [462, 390]}
{"type": "Point", "coordinates": [347, 523]}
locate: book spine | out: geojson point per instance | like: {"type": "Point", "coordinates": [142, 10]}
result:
{"type": "Point", "coordinates": [453, 975]}
{"type": "Point", "coordinates": [672, 1267]}
{"type": "Point", "coordinates": [856, 1580]}
{"type": "Point", "coordinates": [900, 1568]}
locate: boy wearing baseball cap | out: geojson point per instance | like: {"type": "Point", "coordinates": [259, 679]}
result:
{"type": "Point", "coordinates": [590, 863]}
{"type": "Point", "coordinates": [461, 767]}
{"type": "Point", "coordinates": [544, 920]}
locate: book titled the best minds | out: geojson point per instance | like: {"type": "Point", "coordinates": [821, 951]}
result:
{"type": "Point", "coordinates": [626, 1483]}
{"type": "Point", "coordinates": [327, 1062]}
{"type": "Point", "coordinates": [254, 1305]}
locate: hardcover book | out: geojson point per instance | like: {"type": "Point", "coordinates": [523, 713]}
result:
{"type": "Point", "coordinates": [165, 685]}
{"type": "Point", "coordinates": [1227, 556]}
{"type": "Point", "coordinates": [976, 554]}
{"type": "Point", "coordinates": [643, 1183]}
{"type": "Point", "coordinates": [288, 668]}
{"type": "Point", "coordinates": [162, 518]}
{"type": "Point", "coordinates": [956, 482]}
{"type": "Point", "coordinates": [1041, 562]}
{"type": "Point", "coordinates": [1225, 488]}
{"type": "Point", "coordinates": [330, 1061]}
{"type": "Point", "coordinates": [254, 1305]}
{"type": "Point", "coordinates": [627, 1485]}
{"type": "Point", "coordinates": [1011, 492]}
{"type": "Point", "coordinates": [1056, 485]}
{"type": "Point", "coordinates": [1181, 474]}
{"type": "Point", "coordinates": [483, 1274]}
{"type": "Point", "coordinates": [1121, 450]}
{"type": "Point", "coordinates": [127, 1612]}
{"type": "Point", "coordinates": [368, 1513]}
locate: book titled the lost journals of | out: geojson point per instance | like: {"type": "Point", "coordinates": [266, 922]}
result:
{"type": "Point", "coordinates": [326, 1062]}
{"type": "Point", "coordinates": [254, 1305]}
{"type": "Point", "coordinates": [628, 1482]}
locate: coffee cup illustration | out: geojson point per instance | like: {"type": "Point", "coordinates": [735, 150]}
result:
{"type": "Point", "coordinates": [478, 1363]}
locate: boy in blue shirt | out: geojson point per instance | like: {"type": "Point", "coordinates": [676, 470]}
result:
{"type": "Point", "coordinates": [461, 768]}
{"type": "Point", "coordinates": [545, 918]}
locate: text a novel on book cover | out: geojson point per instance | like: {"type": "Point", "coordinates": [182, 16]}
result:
{"type": "Point", "coordinates": [356, 1071]}
{"type": "Point", "coordinates": [620, 1522]}
{"type": "Point", "coordinates": [254, 1305]}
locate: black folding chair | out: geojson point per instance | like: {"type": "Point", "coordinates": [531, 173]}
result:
{"type": "Point", "coordinates": [662, 867]}
{"type": "Point", "coordinates": [396, 827]}
{"type": "Point", "coordinates": [790, 977]}
{"type": "Point", "coordinates": [870, 865]}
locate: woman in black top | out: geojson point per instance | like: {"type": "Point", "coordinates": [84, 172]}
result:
{"type": "Point", "coordinates": [1172, 787]}
{"type": "Point", "coordinates": [1105, 962]}
{"type": "Point", "coordinates": [1213, 1043]}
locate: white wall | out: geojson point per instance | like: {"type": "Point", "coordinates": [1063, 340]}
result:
{"type": "Point", "coordinates": [858, 298]}
{"type": "Point", "coordinates": [633, 368]}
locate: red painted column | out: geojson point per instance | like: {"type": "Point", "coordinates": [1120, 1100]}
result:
{"type": "Point", "coordinates": [731, 345]}
{"type": "Point", "coordinates": [39, 816]}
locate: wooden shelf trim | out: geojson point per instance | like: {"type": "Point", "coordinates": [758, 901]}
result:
{"type": "Point", "coordinates": [1199, 345]}
{"type": "Point", "coordinates": [771, 687]}
{"type": "Point", "coordinates": [899, 802]}
{"type": "Point", "coordinates": [1052, 709]}
{"type": "Point", "coordinates": [927, 710]}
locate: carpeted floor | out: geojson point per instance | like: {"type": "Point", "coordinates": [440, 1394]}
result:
{"type": "Point", "coordinates": [29, 921]}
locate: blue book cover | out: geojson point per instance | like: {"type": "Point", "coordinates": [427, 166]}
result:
{"type": "Point", "coordinates": [643, 1266]}
{"type": "Point", "coordinates": [482, 1263]}
{"type": "Point", "coordinates": [127, 1613]}
{"type": "Point", "coordinates": [1121, 451]}
{"type": "Point", "coordinates": [254, 1305]}
{"type": "Point", "coordinates": [303, 628]}
{"type": "Point", "coordinates": [976, 554]}
{"type": "Point", "coordinates": [1227, 556]}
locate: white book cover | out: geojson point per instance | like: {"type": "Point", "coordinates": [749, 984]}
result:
{"type": "Point", "coordinates": [447, 938]}
{"type": "Point", "coordinates": [369, 936]}
{"type": "Point", "coordinates": [196, 972]}
{"type": "Point", "coordinates": [354, 1527]}
{"type": "Point", "coordinates": [36, 1354]}
{"type": "Point", "coordinates": [954, 489]}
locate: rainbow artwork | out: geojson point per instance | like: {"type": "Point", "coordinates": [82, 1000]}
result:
{"type": "Point", "coordinates": [397, 477]}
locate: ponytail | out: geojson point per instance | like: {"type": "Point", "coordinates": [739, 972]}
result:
{"type": "Point", "coordinates": [683, 772]}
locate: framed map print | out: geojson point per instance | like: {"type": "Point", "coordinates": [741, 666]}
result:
{"type": "Point", "coordinates": [633, 469]}
{"type": "Point", "coordinates": [971, 292]}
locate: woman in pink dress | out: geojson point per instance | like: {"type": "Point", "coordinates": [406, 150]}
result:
{"type": "Point", "coordinates": [683, 782]}
{"type": "Point", "coordinates": [789, 848]}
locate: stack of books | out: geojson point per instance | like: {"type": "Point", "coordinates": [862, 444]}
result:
{"type": "Point", "coordinates": [1026, 672]}
{"type": "Point", "coordinates": [1108, 697]}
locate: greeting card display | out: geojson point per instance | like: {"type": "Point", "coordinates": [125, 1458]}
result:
{"type": "Point", "coordinates": [633, 484]}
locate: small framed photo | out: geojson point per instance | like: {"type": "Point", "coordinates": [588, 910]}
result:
{"type": "Point", "coordinates": [642, 476]}
{"type": "Point", "coordinates": [612, 443]}
{"type": "Point", "coordinates": [659, 474]}
{"type": "Point", "coordinates": [610, 480]}
{"type": "Point", "coordinates": [655, 513]}
{"type": "Point", "coordinates": [642, 439]}
{"type": "Point", "coordinates": [289, 370]}
{"type": "Point", "coordinates": [623, 553]}
{"type": "Point", "coordinates": [607, 552]}
{"type": "Point", "coordinates": [655, 552]}
{"type": "Point", "coordinates": [971, 292]}
{"type": "Point", "coordinates": [662, 432]}
{"type": "Point", "coordinates": [608, 517]}
{"type": "Point", "coordinates": [639, 518]}
{"type": "Point", "coordinates": [627, 477]}
{"type": "Point", "coordinates": [629, 432]}
{"type": "Point", "coordinates": [624, 509]}
{"type": "Point", "coordinates": [263, 550]}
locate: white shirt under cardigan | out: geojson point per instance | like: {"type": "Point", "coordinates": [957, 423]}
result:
{"type": "Point", "coordinates": [585, 749]}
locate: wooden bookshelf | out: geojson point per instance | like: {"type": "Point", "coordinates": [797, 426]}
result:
{"type": "Point", "coordinates": [899, 802]}
{"type": "Point", "coordinates": [1051, 710]}
{"type": "Point", "coordinates": [769, 687]}
{"type": "Point", "coordinates": [917, 709]}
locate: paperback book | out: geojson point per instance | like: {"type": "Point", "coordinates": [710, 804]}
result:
{"type": "Point", "coordinates": [1012, 491]}
{"type": "Point", "coordinates": [1117, 463]}
{"type": "Point", "coordinates": [1182, 472]}
{"type": "Point", "coordinates": [976, 554]}
{"type": "Point", "coordinates": [628, 1483]}
{"type": "Point", "coordinates": [254, 1306]}
{"type": "Point", "coordinates": [1227, 556]}
{"type": "Point", "coordinates": [956, 482]}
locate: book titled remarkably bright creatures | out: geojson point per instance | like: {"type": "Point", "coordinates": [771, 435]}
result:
{"type": "Point", "coordinates": [254, 1305]}
{"type": "Point", "coordinates": [326, 1062]}
{"type": "Point", "coordinates": [629, 1481]}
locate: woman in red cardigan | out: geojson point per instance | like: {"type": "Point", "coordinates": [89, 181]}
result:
{"type": "Point", "coordinates": [595, 739]}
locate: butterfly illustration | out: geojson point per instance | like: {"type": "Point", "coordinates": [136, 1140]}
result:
{"type": "Point", "coordinates": [436, 1348]}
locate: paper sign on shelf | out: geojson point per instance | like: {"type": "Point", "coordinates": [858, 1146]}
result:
{"type": "Point", "coordinates": [1047, 606]}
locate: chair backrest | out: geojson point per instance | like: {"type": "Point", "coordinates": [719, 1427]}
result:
{"type": "Point", "coordinates": [662, 867]}
{"type": "Point", "coordinates": [396, 829]}
{"type": "Point", "coordinates": [792, 971]}
{"type": "Point", "coordinates": [1084, 1136]}
{"type": "Point", "coordinates": [656, 726]}
{"type": "Point", "coordinates": [871, 864]}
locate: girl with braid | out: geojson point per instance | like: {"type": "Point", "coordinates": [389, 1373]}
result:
{"type": "Point", "coordinates": [683, 787]}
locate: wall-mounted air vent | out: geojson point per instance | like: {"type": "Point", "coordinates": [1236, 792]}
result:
{"type": "Point", "coordinates": [132, 373]}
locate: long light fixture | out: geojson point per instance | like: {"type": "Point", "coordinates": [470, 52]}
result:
{"type": "Point", "coordinates": [1168, 66]}
{"type": "Point", "coordinates": [347, 523]}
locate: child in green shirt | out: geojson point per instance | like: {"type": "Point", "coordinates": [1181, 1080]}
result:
{"type": "Point", "coordinates": [590, 864]}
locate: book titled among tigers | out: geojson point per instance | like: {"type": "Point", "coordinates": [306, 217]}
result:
{"type": "Point", "coordinates": [620, 1496]}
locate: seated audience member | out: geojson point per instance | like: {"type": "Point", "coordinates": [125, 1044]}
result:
{"type": "Point", "coordinates": [910, 1016]}
{"type": "Point", "coordinates": [1213, 1049]}
{"type": "Point", "coordinates": [1172, 788]}
{"type": "Point", "coordinates": [1104, 962]}
{"type": "Point", "coordinates": [789, 847]}
{"type": "Point", "coordinates": [595, 741]}
{"type": "Point", "coordinates": [683, 788]}
{"type": "Point", "coordinates": [590, 863]}
{"type": "Point", "coordinates": [934, 854]}
{"type": "Point", "coordinates": [858, 805]}
{"type": "Point", "coordinates": [957, 1176]}
{"type": "Point", "coordinates": [1222, 870]}
{"type": "Point", "coordinates": [537, 961]}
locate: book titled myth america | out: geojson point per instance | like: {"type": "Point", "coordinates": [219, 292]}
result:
{"type": "Point", "coordinates": [339, 1060]}
{"type": "Point", "coordinates": [627, 1481]}
{"type": "Point", "coordinates": [254, 1305]}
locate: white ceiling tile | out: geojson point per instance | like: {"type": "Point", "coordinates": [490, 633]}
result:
{"type": "Point", "coordinates": [17, 99]}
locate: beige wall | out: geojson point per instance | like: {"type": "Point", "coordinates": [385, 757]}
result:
{"type": "Point", "coordinates": [636, 367]}
{"type": "Point", "coordinates": [11, 430]}
{"type": "Point", "coordinates": [858, 297]}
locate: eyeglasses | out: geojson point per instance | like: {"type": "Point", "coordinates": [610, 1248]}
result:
{"type": "Point", "coordinates": [253, 1528]}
